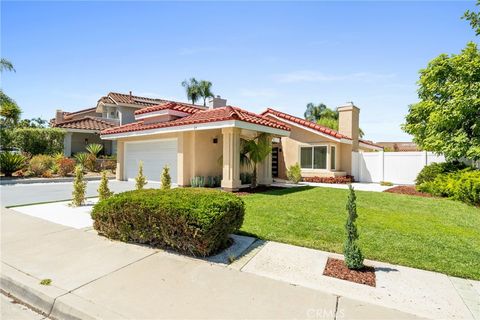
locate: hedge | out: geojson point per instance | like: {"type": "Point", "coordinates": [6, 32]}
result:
{"type": "Point", "coordinates": [38, 140]}
{"type": "Point", "coordinates": [192, 221]}
{"type": "Point", "coordinates": [431, 171]}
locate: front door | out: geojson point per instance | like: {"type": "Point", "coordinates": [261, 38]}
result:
{"type": "Point", "coordinates": [275, 162]}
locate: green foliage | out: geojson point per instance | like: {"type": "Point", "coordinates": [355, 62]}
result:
{"type": "Point", "coordinates": [166, 179]}
{"type": "Point", "coordinates": [446, 120]}
{"type": "Point", "coordinates": [205, 90]}
{"type": "Point", "coordinates": [39, 140]}
{"type": "Point", "coordinates": [294, 173]}
{"type": "Point", "coordinates": [94, 148]}
{"type": "Point", "coordinates": [11, 162]}
{"type": "Point", "coordinates": [191, 221]}
{"type": "Point", "coordinates": [82, 159]}
{"type": "Point", "coordinates": [351, 250]}
{"type": "Point", "coordinates": [6, 65]}
{"type": "Point", "coordinates": [431, 171]}
{"type": "Point", "coordinates": [257, 150]}
{"type": "Point", "coordinates": [314, 112]}
{"type": "Point", "coordinates": [46, 282]}
{"type": "Point", "coordinates": [245, 177]}
{"type": "Point", "coordinates": [197, 182]}
{"type": "Point", "coordinates": [191, 89]}
{"type": "Point", "coordinates": [103, 190]}
{"type": "Point", "coordinates": [463, 185]}
{"type": "Point", "coordinates": [79, 187]}
{"type": "Point", "coordinates": [9, 111]}
{"type": "Point", "coordinates": [6, 137]}
{"type": "Point", "coordinates": [40, 164]}
{"type": "Point", "coordinates": [386, 183]}
{"type": "Point", "coordinates": [65, 166]}
{"type": "Point", "coordinates": [140, 179]}
{"type": "Point", "coordinates": [32, 123]}
{"type": "Point", "coordinates": [474, 19]}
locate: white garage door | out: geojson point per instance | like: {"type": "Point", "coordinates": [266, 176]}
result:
{"type": "Point", "coordinates": [154, 155]}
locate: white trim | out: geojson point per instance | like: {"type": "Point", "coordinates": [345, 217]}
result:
{"type": "Point", "coordinates": [164, 112]}
{"type": "Point", "coordinates": [200, 126]}
{"type": "Point", "coordinates": [312, 146]}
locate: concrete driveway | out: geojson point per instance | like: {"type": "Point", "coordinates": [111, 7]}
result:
{"type": "Point", "coordinates": [21, 194]}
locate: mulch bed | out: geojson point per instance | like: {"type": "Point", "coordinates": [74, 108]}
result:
{"type": "Point", "coordinates": [336, 268]}
{"type": "Point", "coordinates": [410, 190]}
{"type": "Point", "coordinates": [247, 191]}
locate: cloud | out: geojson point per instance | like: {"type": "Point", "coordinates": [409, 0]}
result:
{"type": "Point", "coordinates": [314, 76]}
{"type": "Point", "coordinates": [259, 93]}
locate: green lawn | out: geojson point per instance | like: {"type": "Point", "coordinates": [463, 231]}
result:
{"type": "Point", "coordinates": [433, 234]}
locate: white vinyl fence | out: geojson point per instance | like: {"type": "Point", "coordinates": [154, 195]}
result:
{"type": "Point", "coordinates": [396, 167]}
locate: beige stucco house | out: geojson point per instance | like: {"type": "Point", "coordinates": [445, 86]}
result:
{"type": "Point", "coordinates": [200, 141]}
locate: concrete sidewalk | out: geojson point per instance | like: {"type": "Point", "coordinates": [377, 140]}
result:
{"type": "Point", "coordinates": [94, 278]}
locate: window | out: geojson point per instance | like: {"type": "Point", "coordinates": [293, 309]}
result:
{"type": "Point", "coordinates": [313, 157]}
{"type": "Point", "coordinates": [332, 157]}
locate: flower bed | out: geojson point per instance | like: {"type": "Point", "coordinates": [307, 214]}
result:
{"type": "Point", "coordinates": [333, 180]}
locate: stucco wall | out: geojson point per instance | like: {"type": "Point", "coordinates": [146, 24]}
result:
{"type": "Point", "coordinates": [78, 142]}
{"type": "Point", "coordinates": [126, 115]}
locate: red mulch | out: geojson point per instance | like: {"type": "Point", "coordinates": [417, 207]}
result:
{"type": "Point", "coordinates": [337, 269]}
{"type": "Point", "coordinates": [410, 190]}
{"type": "Point", "coordinates": [334, 180]}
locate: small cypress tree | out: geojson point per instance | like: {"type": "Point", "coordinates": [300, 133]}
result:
{"type": "Point", "coordinates": [103, 190]}
{"type": "Point", "coordinates": [140, 179]}
{"type": "Point", "coordinates": [351, 250]}
{"type": "Point", "coordinates": [166, 179]}
{"type": "Point", "coordinates": [79, 187]}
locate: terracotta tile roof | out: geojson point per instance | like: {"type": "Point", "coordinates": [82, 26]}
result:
{"type": "Point", "coordinates": [314, 126]}
{"type": "Point", "coordinates": [87, 123]}
{"type": "Point", "coordinates": [170, 106]}
{"type": "Point", "coordinates": [305, 123]}
{"type": "Point", "coordinates": [121, 98]}
{"type": "Point", "coordinates": [80, 111]}
{"type": "Point", "coordinates": [203, 116]}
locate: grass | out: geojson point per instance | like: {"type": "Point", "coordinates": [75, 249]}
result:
{"type": "Point", "coordinates": [427, 233]}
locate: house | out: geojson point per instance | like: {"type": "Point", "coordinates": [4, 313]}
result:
{"type": "Point", "coordinates": [399, 146]}
{"type": "Point", "coordinates": [199, 141]}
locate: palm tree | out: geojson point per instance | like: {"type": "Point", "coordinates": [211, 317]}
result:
{"type": "Point", "coordinates": [6, 65]}
{"type": "Point", "coordinates": [314, 112]}
{"type": "Point", "coordinates": [9, 110]}
{"type": "Point", "coordinates": [192, 89]}
{"type": "Point", "coordinates": [205, 90]}
{"type": "Point", "coordinates": [258, 149]}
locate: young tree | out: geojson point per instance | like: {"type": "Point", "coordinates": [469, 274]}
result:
{"type": "Point", "coordinates": [79, 187]}
{"type": "Point", "coordinates": [351, 250]}
{"type": "Point", "coordinates": [257, 150]}
{"type": "Point", "coordinates": [103, 190]}
{"type": "Point", "coordinates": [140, 179]}
{"type": "Point", "coordinates": [205, 90]}
{"type": "Point", "coordinates": [166, 179]}
{"type": "Point", "coordinates": [192, 89]}
{"type": "Point", "coordinates": [447, 118]}
{"type": "Point", "coordinates": [474, 19]}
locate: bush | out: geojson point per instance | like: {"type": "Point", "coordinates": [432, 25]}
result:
{"type": "Point", "coordinates": [103, 190]}
{"type": "Point", "coordinates": [65, 166]}
{"type": "Point", "coordinates": [11, 162]}
{"type": "Point", "coordinates": [140, 179]}
{"type": "Point", "coordinates": [386, 183]}
{"type": "Point", "coordinates": [82, 159]}
{"type": "Point", "coordinates": [191, 221]}
{"type": "Point", "coordinates": [39, 140]}
{"type": "Point", "coordinates": [294, 173]}
{"type": "Point", "coordinates": [351, 250]}
{"type": "Point", "coordinates": [462, 185]}
{"type": "Point", "coordinates": [79, 187]}
{"type": "Point", "coordinates": [166, 179]}
{"type": "Point", "coordinates": [40, 164]}
{"type": "Point", "coordinates": [197, 182]}
{"type": "Point", "coordinates": [334, 180]}
{"type": "Point", "coordinates": [431, 171]}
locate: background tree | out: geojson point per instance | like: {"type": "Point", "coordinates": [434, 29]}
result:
{"type": "Point", "coordinates": [191, 89]}
{"type": "Point", "coordinates": [257, 150]}
{"type": "Point", "coordinates": [6, 65]}
{"type": "Point", "coordinates": [351, 250]}
{"type": "Point", "coordinates": [314, 112]}
{"type": "Point", "coordinates": [447, 118]}
{"type": "Point", "coordinates": [474, 19]}
{"type": "Point", "coordinates": [32, 123]}
{"type": "Point", "coordinates": [9, 110]}
{"type": "Point", "coordinates": [205, 90]}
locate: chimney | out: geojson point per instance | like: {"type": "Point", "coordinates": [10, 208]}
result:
{"type": "Point", "coordinates": [130, 98]}
{"type": "Point", "coordinates": [216, 102]}
{"type": "Point", "coordinates": [59, 116]}
{"type": "Point", "coordinates": [348, 122]}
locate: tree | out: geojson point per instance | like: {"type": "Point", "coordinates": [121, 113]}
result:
{"type": "Point", "coordinates": [314, 112]}
{"type": "Point", "coordinates": [205, 90]}
{"type": "Point", "coordinates": [79, 187]}
{"type": "Point", "coordinates": [351, 250]}
{"type": "Point", "coordinates": [9, 110]}
{"type": "Point", "coordinates": [447, 118]}
{"type": "Point", "coordinates": [6, 65]}
{"type": "Point", "coordinates": [166, 179]}
{"type": "Point", "coordinates": [257, 149]}
{"type": "Point", "coordinates": [192, 89]}
{"type": "Point", "coordinates": [140, 179]}
{"type": "Point", "coordinates": [103, 190]}
{"type": "Point", "coordinates": [32, 123]}
{"type": "Point", "coordinates": [474, 19]}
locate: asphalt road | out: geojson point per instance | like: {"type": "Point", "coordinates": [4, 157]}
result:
{"type": "Point", "coordinates": [22, 194]}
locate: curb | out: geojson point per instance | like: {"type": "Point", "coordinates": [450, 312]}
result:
{"type": "Point", "coordinates": [46, 180]}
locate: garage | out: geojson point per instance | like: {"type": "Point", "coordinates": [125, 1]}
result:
{"type": "Point", "coordinates": [155, 155]}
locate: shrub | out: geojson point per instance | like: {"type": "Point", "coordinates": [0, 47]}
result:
{"type": "Point", "coordinates": [103, 190]}
{"type": "Point", "coordinates": [39, 140]}
{"type": "Point", "coordinates": [79, 187]}
{"type": "Point", "coordinates": [140, 179]}
{"type": "Point", "coordinates": [245, 177]}
{"type": "Point", "coordinates": [65, 166]}
{"type": "Point", "coordinates": [386, 183]}
{"type": "Point", "coordinates": [213, 181]}
{"type": "Point", "coordinates": [351, 250]}
{"type": "Point", "coordinates": [82, 158]}
{"type": "Point", "coordinates": [39, 164]}
{"type": "Point", "coordinates": [431, 171]}
{"type": "Point", "coordinates": [93, 151]}
{"type": "Point", "coordinates": [294, 173]}
{"type": "Point", "coordinates": [197, 182]}
{"type": "Point", "coordinates": [334, 180]}
{"type": "Point", "coordinates": [166, 179]}
{"type": "Point", "coordinates": [192, 221]}
{"type": "Point", "coordinates": [11, 162]}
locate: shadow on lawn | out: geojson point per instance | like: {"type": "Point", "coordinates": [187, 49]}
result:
{"type": "Point", "coordinates": [278, 191]}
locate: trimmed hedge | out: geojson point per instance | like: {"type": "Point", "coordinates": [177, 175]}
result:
{"type": "Point", "coordinates": [191, 221]}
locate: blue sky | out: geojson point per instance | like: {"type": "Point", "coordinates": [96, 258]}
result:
{"type": "Point", "coordinates": [257, 54]}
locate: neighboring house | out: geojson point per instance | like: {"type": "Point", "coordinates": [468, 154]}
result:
{"type": "Point", "coordinates": [399, 146]}
{"type": "Point", "coordinates": [82, 128]}
{"type": "Point", "coordinates": [198, 141]}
